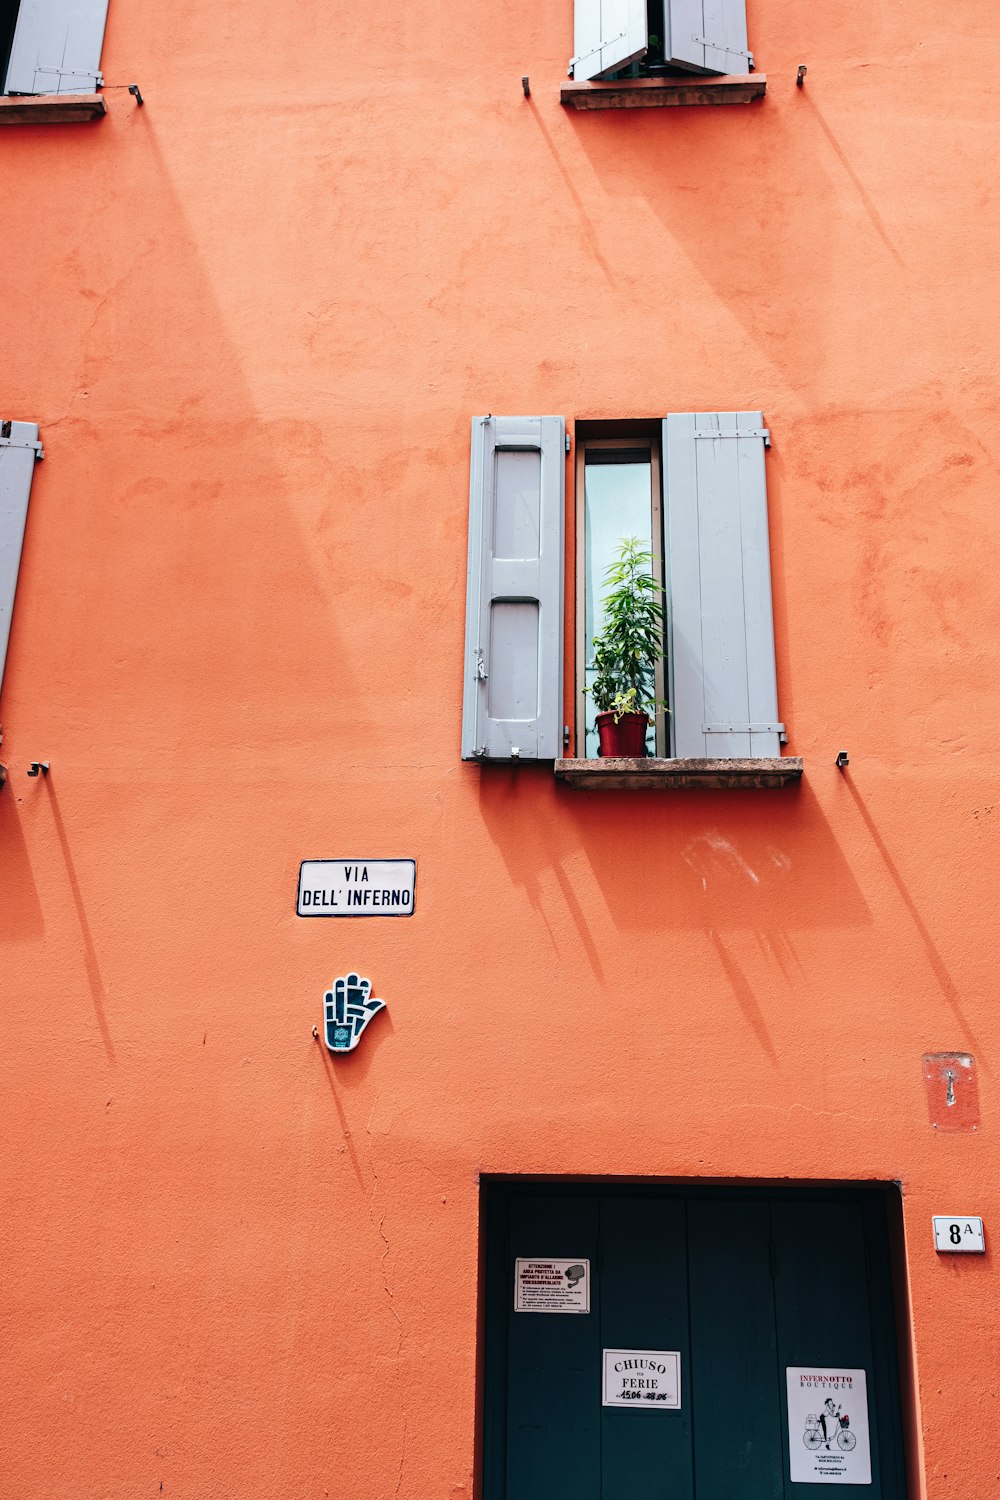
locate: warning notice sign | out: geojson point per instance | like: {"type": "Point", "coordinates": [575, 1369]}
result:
{"type": "Point", "coordinates": [552, 1286]}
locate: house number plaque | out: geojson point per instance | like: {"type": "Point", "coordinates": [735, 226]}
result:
{"type": "Point", "coordinates": [960, 1234]}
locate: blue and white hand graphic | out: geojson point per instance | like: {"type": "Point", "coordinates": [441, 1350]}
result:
{"type": "Point", "coordinates": [347, 1010]}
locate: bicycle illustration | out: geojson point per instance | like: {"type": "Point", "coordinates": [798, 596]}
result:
{"type": "Point", "coordinates": [830, 1426]}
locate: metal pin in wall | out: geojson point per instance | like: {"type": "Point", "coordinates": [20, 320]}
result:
{"type": "Point", "coordinates": [800, 76]}
{"type": "Point", "coordinates": [526, 86]}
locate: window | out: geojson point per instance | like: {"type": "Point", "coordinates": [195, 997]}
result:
{"type": "Point", "coordinates": [53, 46]}
{"type": "Point", "coordinates": [694, 484]}
{"type": "Point", "coordinates": [617, 496]}
{"type": "Point", "coordinates": [651, 36]}
{"type": "Point", "coordinates": [19, 448]}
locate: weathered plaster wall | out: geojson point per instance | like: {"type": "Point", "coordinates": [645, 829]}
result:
{"type": "Point", "coordinates": [253, 320]}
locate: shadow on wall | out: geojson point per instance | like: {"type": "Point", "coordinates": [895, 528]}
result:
{"type": "Point", "coordinates": [944, 980]}
{"type": "Point", "coordinates": [712, 863]}
{"type": "Point", "coordinates": [21, 918]}
{"type": "Point", "coordinates": [768, 863]}
{"type": "Point", "coordinates": [684, 860]}
{"type": "Point", "coordinates": [347, 1073]}
{"type": "Point", "coordinates": [215, 549]}
{"type": "Point", "coordinates": [805, 228]}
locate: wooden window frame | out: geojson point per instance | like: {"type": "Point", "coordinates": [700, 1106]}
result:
{"type": "Point", "coordinates": [620, 437]}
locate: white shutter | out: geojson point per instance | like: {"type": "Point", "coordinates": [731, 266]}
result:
{"type": "Point", "coordinates": [19, 447]}
{"type": "Point", "coordinates": [723, 687]}
{"type": "Point", "coordinates": [513, 696]}
{"type": "Point", "coordinates": [708, 36]}
{"type": "Point", "coordinates": [607, 34]}
{"type": "Point", "coordinates": [57, 47]}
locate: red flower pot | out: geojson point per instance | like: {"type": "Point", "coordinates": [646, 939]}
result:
{"type": "Point", "coordinates": [626, 738]}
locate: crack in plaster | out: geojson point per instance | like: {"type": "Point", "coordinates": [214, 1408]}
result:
{"type": "Point", "coordinates": [389, 1294]}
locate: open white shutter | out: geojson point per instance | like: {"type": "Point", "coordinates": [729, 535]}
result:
{"type": "Point", "coordinates": [513, 695]}
{"type": "Point", "coordinates": [723, 687]}
{"type": "Point", "coordinates": [19, 447]}
{"type": "Point", "coordinates": [57, 47]}
{"type": "Point", "coordinates": [708, 36]}
{"type": "Point", "coordinates": [607, 34]}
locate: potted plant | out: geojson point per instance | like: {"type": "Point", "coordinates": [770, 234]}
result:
{"type": "Point", "coordinates": [626, 652]}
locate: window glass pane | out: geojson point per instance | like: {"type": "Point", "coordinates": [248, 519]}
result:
{"type": "Point", "coordinates": [617, 504]}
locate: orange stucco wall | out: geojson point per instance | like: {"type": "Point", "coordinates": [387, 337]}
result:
{"type": "Point", "coordinates": [253, 320]}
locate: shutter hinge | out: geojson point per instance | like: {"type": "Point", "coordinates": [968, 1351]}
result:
{"type": "Point", "coordinates": [75, 73]}
{"type": "Point", "coordinates": [6, 441]}
{"type": "Point", "coordinates": [743, 729]}
{"type": "Point", "coordinates": [567, 442]}
{"type": "Point", "coordinates": [704, 41]}
{"type": "Point", "coordinates": [481, 673]}
{"type": "Point", "coordinates": [599, 48]}
{"type": "Point", "coordinates": [744, 432]}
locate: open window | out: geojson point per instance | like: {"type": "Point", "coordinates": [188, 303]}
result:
{"type": "Point", "coordinates": [617, 496]}
{"type": "Point", "coordinates": [693, 485]}
{"type": "Point", "coordinates": [52, 46]}
{"type": "Point", "coordinates": [618, 38]}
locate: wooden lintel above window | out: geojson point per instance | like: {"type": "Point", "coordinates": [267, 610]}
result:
{"type": "Point", "coordinates": [654, 775]}
{"type": "Point", "coordinates": [51, 109]}
{"type": "Point", "coordinates": [654, 93]}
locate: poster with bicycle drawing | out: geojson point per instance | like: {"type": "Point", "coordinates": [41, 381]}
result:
{"type": "Point", "coordinates": [828, 1440]}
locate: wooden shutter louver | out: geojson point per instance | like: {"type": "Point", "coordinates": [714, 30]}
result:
{"type": "Point", "coordinates": [19, 448]}
{"type": "Point", "coordinates": [513, 698]}
{"type": "Point", "coordinates": [57, 47]}
{"type": "Point", "coordinates": [723, 686]}
{"type": "Point", "coordinates": [707, 36]}
{"type": "Point", "coordinates": [607, 34]}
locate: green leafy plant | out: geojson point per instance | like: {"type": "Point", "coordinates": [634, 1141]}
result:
{"type": "Point", "coordinates": [628, 647]}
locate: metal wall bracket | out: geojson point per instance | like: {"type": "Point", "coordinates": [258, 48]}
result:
{"type": "Point", "coordinates": [38, 768]}
{"type": "Point", "coordinates": [842, 761]}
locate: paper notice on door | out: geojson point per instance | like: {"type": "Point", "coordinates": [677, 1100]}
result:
{"type": "Point", "coordinates": [645, 1379]}
{"type": "Point", "coordinates": [828, 1440]}
{"type": "Point", "coordinates": [552, 1286]}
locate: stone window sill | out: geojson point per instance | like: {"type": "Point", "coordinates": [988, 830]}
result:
{"type": "Point", "coordinates": [653, 775]}
{"type": "Point", "coordinates": [654, 93]}
{"type": "Point", "coordinates": [50, 109]}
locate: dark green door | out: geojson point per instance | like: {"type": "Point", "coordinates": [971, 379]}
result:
{"type": "Point", "coordinates": [765, 1304]}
